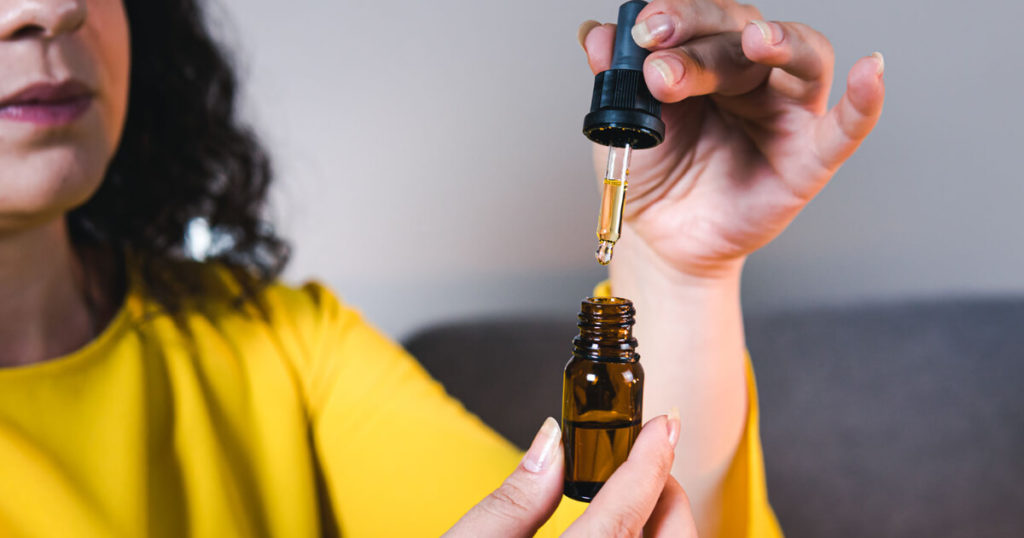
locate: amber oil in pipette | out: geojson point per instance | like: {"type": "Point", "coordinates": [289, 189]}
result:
{"type": "Point", "coordinates": [602, 396]}
{"type": "Point", "coordinates": [613, 198]}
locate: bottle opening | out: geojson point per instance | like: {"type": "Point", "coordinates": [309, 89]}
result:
{"type": "Point", "coordinates": [606, 325]}
{"type": "Point", "coordinates": [601, 310]}
{"type": "Point", "coordinates": [606, 301]}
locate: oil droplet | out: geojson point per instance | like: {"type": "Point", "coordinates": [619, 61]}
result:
{"type": "Point", "coordinates": [604, 252]}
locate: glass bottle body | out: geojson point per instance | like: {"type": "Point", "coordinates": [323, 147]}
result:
{"type": "Point", "coordinates": [602, 401]}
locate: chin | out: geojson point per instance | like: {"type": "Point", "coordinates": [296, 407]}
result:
{"type": "Point", "coordinates": [45, 185]}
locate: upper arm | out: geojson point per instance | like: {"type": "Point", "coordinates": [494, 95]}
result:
{"type": "Point", "coordinates": [398, 456]}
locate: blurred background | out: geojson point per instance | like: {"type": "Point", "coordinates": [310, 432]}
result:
{"type": "Point", "coordinates": [431, 166]}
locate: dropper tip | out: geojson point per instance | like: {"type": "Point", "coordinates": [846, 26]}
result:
{"type": "Point", "coordinates": [604, 252]}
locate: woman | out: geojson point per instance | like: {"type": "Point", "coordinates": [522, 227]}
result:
{"type": "Point", "coordinates": [143, 394]}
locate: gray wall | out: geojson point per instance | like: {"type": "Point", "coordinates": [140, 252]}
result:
{"type": "Point", "coordinates": [432, 168]}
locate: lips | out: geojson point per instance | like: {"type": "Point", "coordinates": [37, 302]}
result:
{"type": "Point", "coordinates": [47, 104]}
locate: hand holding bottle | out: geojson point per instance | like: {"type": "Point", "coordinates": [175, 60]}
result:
{"type": "Point", "coordinates": [749, 140]}
{"type": "Point", "coordinates": [640, 497]}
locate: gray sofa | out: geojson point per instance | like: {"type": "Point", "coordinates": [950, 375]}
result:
{"type": "Point", "coordinates": [877, 420]}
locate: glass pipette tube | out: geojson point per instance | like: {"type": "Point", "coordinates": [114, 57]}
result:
{"type": "Point", "coordinates": [613, 196]}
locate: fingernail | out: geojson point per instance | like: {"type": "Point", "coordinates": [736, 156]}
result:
{"type": "Point", "coordinates": [585, 28]}
{"type": "Point", "coordinates": [543, 447]}
{"type": "Point", "coordinates": [881, 62]}
{"type": "Point", "coordinates": [673, 426]}
{"type": "Point", "coordinates": [671, 70]}
{"type": "Point", "coordinates": [771, 33]}
{"type": "Point", "coordinates": [652, 30]}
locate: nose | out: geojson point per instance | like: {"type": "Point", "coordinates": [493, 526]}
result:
{"type": "Point", "coordinates": [45, 19]}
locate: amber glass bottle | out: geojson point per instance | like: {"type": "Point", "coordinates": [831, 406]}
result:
{"type": "Point", "coordinates": [602, 396]}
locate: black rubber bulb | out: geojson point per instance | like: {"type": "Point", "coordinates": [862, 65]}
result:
{"type": "Point", "coordinates": [622, 110]}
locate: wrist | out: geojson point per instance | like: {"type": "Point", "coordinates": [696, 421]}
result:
{"type": "Point", "coordinates": [639, 271]}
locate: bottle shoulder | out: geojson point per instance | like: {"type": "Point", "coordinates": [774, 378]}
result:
{"type": "Point", "coordinates": [597, 368]}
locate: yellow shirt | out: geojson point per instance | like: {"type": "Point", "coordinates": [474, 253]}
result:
{"type": "Point", "coordinates": [231, 423]}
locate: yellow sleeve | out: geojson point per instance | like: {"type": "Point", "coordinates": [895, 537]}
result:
{"type": "Point", "coordinates": [399, 457]}
{"type": "Point", "coordinates": [745, 496]}
{"type": "Point", "coordinates": [747, 511]}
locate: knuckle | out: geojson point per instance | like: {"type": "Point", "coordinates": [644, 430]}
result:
{"type": "Point", "coordinates": [509, 500]}
{"type": "Point", "coordinates": [627, 523]}
{"type": "Point", "coordinates": [819, 167]}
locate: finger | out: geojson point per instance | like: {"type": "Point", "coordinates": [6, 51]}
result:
{"type": "Point", "coordinates": [711, 64]}
{"type": "Point", "coordinates": [668, 23]}
{"type": "Point", "coordinates": [672, 516]}
{"type": "Point", "coordinates": [598, 42]}
{"type": "Point", "coordinates": [528, 496]}
{"type": "Point", "coordinates": [841, 130]}
{"type": "Point", "coordinates": [803, 54]}
{"type": "Point", "coordinates": [627, 499]}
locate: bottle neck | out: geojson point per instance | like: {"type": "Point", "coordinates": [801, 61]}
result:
{"type": "Point", "coordinates": [606, 330]}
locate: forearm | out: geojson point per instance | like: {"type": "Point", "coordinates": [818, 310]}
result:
{"type": "Point", "coordinates": [692, 349]}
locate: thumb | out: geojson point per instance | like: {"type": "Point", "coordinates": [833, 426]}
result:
{"type": "Point", "coordinates": [528, 496]}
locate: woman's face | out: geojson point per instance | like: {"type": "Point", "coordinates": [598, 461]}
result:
{"type": "Point", "coordinates": [64, 68]}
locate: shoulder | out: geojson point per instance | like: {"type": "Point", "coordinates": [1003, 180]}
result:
{"type": "Point", "coordinates": [310, 311]}
{"type": "Point", "coordinates": [272, 332]}
{"type": "Point", "coordinates": [311, 331]}
{"type": "Point", "coordinates": [228, 306]}
{"type": "Point", "coordinates": [306, 309]}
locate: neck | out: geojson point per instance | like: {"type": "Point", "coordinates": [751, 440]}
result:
{"type": "Point", "coordinates": [43, 309]}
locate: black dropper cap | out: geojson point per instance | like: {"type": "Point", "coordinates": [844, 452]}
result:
{"type": "Point", "coordinates": [622, 110]}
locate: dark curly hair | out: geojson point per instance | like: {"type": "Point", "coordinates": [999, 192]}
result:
{"type": "Point", "coordinates": [184, 154]}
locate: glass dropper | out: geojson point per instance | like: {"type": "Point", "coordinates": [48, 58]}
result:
{"type": "Point", "coordinates": [613, 197]}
